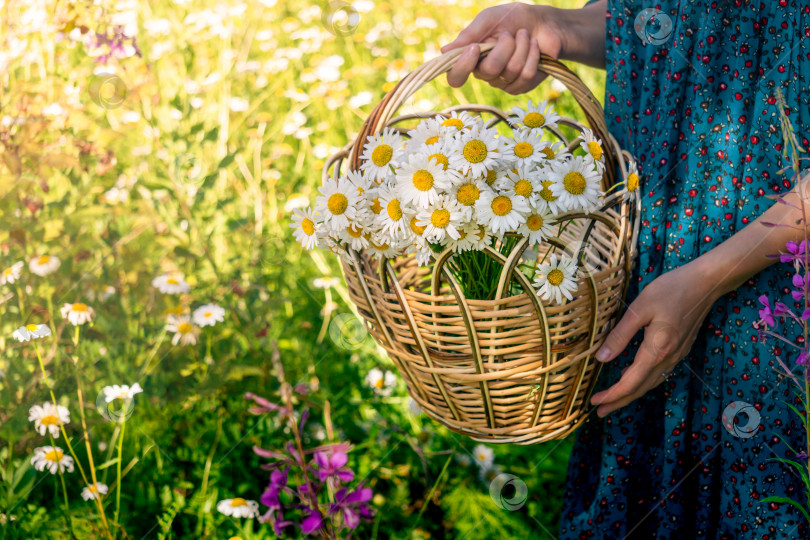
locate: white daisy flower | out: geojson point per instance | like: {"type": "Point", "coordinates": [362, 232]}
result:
{"type": "Point", "coordinates": [364, 184]}
{"type": "Point", "coordinates": [487, 476]}
{"type": "Point", "coordinates": [477, 150]}
{"type": "Point", "coordinates": [382, 382]}
{"type": "Point", "coordinates": [466, 193]}
{"type": "Point", "coordinates": [420, 180]}
{"type": "Point", "coordinates": [31, 331]}
{"type": "Point", "coordinates": [525, 147]}
{"type": "Point", "coordinates": [482, 238]}
{"type": "Point", "coordinates": [537, 226]}
{"type": "Point", "coordinates": [185, 332]}
{"type": "Point", "coordinates": [556, 150]}
{"type": "Point", "coordinates": [631, 184]}
{"type": "Point", "coordinates": [381, 246]}
{"type": "Point", "coordinates": [535, 118]}
{"type": "Point", "coordinates": [468, 237]}
{"type": "Point", "coordinates": [419, 247]}
{"type": "Point", "coordinates": [494, 175]}
{"type": "Point", "coordinates": [593, 147]}
{"type": "Point", "coordinates": [51, 458]}
{"type": "Point", "coordinates": [47, 417]}
{"type": "Point", "coordinates": [483, 456]}
{"type": "Point", "coordinates": [424, 138]}
{"type": "Point", "coordinates": [501, 212]}
{"type": "Point", "coordinates": [337, 203]}
{"type": "Point", "coordinates": [173, 283]}
{"type": "Point", "coordinates": [522, 182]}
{"type": "Point", "coordinates": [208, 315]}
{"type": "Point", "coordinates": [303, 221]}
{"type": "Point", "coordinates": [393, 219]}
{"type": "Point", "coordinates": [382, 151]}
{"type": "Point", "coordinates": [44, 265]}
{"type": "Point", "coordinates": [457, 121]}
{"type": "Point", "coordinates": [463, 459]}
{"type": "Point", "coordinates": [546, 200]}
{"type": "Point", "coordinates": [124, 392]}
{"type": "Point", "coordinates": [355, 236]}
{"type": "Point", "coordinates": [11, 274]}
{"type": "Point", "coordinates": [441, 220]}
{"type": "Point", "coordinates": [440, 154]}
{"type": "Point", "coordinates": [239, 508]}
{"type": "Point", "coordinates": [556, 279]}
{"type": "Point", "coordinates": [94, 491]}
{"type": "Point", "coordinates": [77, 314]}
{"type": "Point", "coordinates": [576, 183]}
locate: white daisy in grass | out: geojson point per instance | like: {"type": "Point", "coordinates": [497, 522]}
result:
{"type": "Point", "coordinates": [420, 180]}
{"type": "Point", "coordinates": [185, 332]}
{"type": "Point", "coordinates": [208, 315]}
{"type": "Point", "coordinates": [535, 117]}
{"type": "Point", "coordinates": [337, 203]}
{"type": "Point", "coordinates": [556, 278]}
{"type": "Point", "coordinates": [456, 121]}
{"type": "Point", "coordinates": [48, 418]}
{"type": "Point", "coordinates": [477, 150]}
{"type": "Point", "coordinates": [382, 246]}
{"type": "Point", "coordinates": [525, 147]}
{"type": "Point", "coordinates": [94, 491]}
{"type": "Point", "coordinates": [425, 136]}
{"type": "Point", "coordinates": [172, 283]}
{"type": "Point", "coordinates": [381, 382]}
{"type": "Point", "coordinates": [44, 265]}
{"type": "Point", "coordinates": [51, 458]}
{"type": "Point", "coordinates": [538, 226]}
{"type": "Point", "coordinates": [77, 314]}
{"type": "Point", "coordinates": [31, 331]}
{"type": "Point", "coordinates": [466, 193]}
{"type": "Point", "coordinates": [124, 392]}
{"type": "Point", "coordinates": [631, 184]}
{"type": "Point", "coordinates": [441, 220]}
{"type": "Point", "coordinates": [487, 476]}
{"type": "Point", "coordinates": [303, 221]}
{"type": "Point", "coordinates": [11, 274]}
{"type": "Point", "coordinates": [576, 183]}
{"type": "Point", "coordinates": [483, 456]}
{"type": "Point", "coordinates": [501, 212]}
{"type": "Point", "coordinates": [238, 508]}
{"type": "Point", "coordinates": [593, 147]}
{"type": "Point", "coordinates": [521, 182]}
{"type": "Point", "coordinates": [382, 151]}
{"type": "Point", "coordinates": [393, 219]}
{"type": "Point", "coordinates": [355, 235]}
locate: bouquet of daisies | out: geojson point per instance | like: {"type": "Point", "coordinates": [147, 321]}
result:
{"type": "Point", "coordinates": [455, 183]}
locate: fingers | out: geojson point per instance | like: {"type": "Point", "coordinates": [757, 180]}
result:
{"type": "Point", "coordinates": [474, 33]}
{"type": "Point", "coordinates": [514, 66]}
{"type": "Point", "coordinates": [465, 65]}
{"type": "Point", "coordinates": [631, 322]}
{"type": "Point", "coordinates": [529, 76]}
{"type": "Point", "coordinates": [491, 67]}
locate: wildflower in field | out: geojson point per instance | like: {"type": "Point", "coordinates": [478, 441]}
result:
{"type": "Point", "coordinates": [44, 265]}
{"type": "Point", "coordinates": [535, 117]}
{"type": "Point", "coordinates": [556, 278]}
{"type": "Point", "coordinates": [173, 283]}
{"type": "Point", "coordinates": [489, 474]}
{"type": "Point", "coordinates": [185, 332]}
{"type": "Point", "coordinates": [332, 464]}
{"type": "Point", "coordinates": [31, 331]}
{"type": "Point", "coordinates": [78, 313]}
{"type": "Point", "coordinates": [463, 459]}
{"type": "Point", "coordinates": [501, 212]}
{"type": "Point", "coordinates": [303, 221]}
{"type": "Point", "coordinates": [51, 458]}
{"type": "Point", "coordinates": [795, 251]}
{"type": "Point", "coordinates": [477, 150]}
{"type": "Point", "coordinates": [208, 315]}
{"type": "Point", "coordinates": [123, 392]}
{"type": "Point", "coordinates": [47, 417]}
{"type": "Point", "coordinates": [768, 315]}
{"type": "Point", "coordinates": [94, 491]}
{"type": "Point", "coordinates": [483, 456]}
{"type": "Point", "coordinates": [325, 282]}
{"type": "Point", "coordinates": [11, 274]}
{"type": "Point", "coordinates": [353, 506]}
{"type": "Point", "coordinates": [413, 407]}
{"type": "Point", "coordinates": [239, 507]}
{"type": "Point", "coordinates": [576, 183]}
{"type": "Point", "coordinates": [382, 383]}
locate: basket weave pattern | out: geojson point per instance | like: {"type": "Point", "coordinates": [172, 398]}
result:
{"type": "Point", "coordinates": [511, 369]}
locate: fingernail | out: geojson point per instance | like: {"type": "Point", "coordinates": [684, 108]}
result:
{"type": "Point", "coordinates": [603, 353]}
{"type": "Point", "coordinates": [595, 399]}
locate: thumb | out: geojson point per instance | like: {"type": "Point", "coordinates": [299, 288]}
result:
{"type": "Point", "coordinates": [479, 29]}
{"type": "Point", "coordinates": [631, 322]}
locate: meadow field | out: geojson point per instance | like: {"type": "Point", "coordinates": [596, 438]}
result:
{"type": "Point", "coordinates": [151, 154]}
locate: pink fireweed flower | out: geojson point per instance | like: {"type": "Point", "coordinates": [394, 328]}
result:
{"type": "Point", "coordinates": [804, 358]}
{"type": "Point", "coordinates": [354, 506]}
{"type": "Point", "coordinates": [767, 315]}
{"type": "Point", "coordinates": [799, 284]}
{"type": "Point", "coordinates": [332, 465]}
{"type": "Point", "coordinates": [796, 251]}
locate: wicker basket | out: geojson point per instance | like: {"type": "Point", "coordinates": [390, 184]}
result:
{"type": "Point", "coordinates": [511, 369]}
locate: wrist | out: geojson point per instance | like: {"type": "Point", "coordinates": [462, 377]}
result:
{"type": "Point", "coordinates": [581, 31]}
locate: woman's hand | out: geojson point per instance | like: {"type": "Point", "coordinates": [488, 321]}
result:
{"type": "Point", "coordinates": [670, 309]}
{"type": "Point", "coordinates": [520, 33]}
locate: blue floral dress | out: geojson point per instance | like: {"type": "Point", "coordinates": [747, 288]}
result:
{"type": "Point", "coordinates": [691, 93]}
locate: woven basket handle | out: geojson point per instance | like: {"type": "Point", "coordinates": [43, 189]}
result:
{"type": "Point", "coordinates": [436, 67]}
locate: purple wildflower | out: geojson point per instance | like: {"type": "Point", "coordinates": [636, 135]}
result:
{"type": "Point", "coordinates": [332, 465]}
{"type": "Point", "coordinates": [312, 523]}
{"type": "Point", "coordinates": [795, 252]}
{"type": "Point", "coordinates": [804, 358]}
{"type": "Point", "coordinates": [767, 315]}
{"type": "Point", "coordinates": [353, 506]}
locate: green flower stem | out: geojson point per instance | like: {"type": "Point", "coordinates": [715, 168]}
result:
{"type": "Point", "coordinates": [118, 469]}
{"type": "Point", "coordinates": [68, 519]}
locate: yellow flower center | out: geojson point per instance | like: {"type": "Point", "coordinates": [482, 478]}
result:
{"type": "Point", "coordinates": [7, 272]}
{"type": "Point", "coordinates": [417, 229]}
{"type": "Point", "coordinates": [31, 327]}
{"type": "Point", "coordinates": [93, 488]}
{"type": "Point", "coordinates": [308, 226]}
{"type": "Point", "coordinates": [548, 152]}
{"type": "Point", "coordinates": [380, 247]}
{"type": "Point", "coordinates": [546, 193]}
{"type": "Point", "coordinates": [43, 260]}
{"type": "Point", "coordinates": [632, 182]}
{"type": "Point", "coordinates": [441, 159]}
{"type": "Point", "coordinates": [523, 149]}
{"type": "Point", "coordinates": [382, 155]}
{"type": "Point", "coordinates": [491, 177]}
{"type": "Point", "coordinates": [475, 151]}
{"type": "Point", "coordinates": [376, 207]}
{"type": "Point", "coordinates": [78, 306]}
{"type": "Point", "coordinates": [595, 150]}
{"type": "Point", "coordinates": [422, 180]}
{"type": "Point", "coordinates": [574, 183]}
{"type": "Point", "coordinates": [523, 187]}
{"type": "Point", "coordinates": [177, 310]}
{"type": "Point", "coordinates": [555, 277]}
{"type": "Point", "coordinates": [172, 281]}
{"type": "Point", "coordinates": [534, 223]}
{"type": "Point", "coordinates": [239, 501]}
{"type": "Point", "coordinates": [432, 140]}
{"type": "Point", "coordinates": [440, 218]}
{"type": "Point", "coordinates": [454, 122]}
{"type": "Point", "coordinates": [468, 194]}
{"type": "Point", "coordinates": [207, 314]}
{"type": "Point", "coordinates": [354, 231]}
{"type": "Point", "coordinates": [394, 210]}
{"type": "Point", "coordinates": [337, 203]}
{"type": "Point", "coordinates": [501, 205]}
{"type": "Point", "coordinates": [379, 383]}
{"type": "Point", "coordinates": [49, 420]}
{"type": "Point", "coordinates": [534, 120]}
{"type": "Point", "coordinates": [54, 455]}
{"type": "Point", "coordinates": [184, 328]}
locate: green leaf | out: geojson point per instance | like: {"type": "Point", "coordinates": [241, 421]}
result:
{"type": "Point", "coordinates": [787, 500]}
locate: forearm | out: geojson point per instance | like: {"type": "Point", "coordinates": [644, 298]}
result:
{"type": "Point", "coordinates": [583, 33]}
